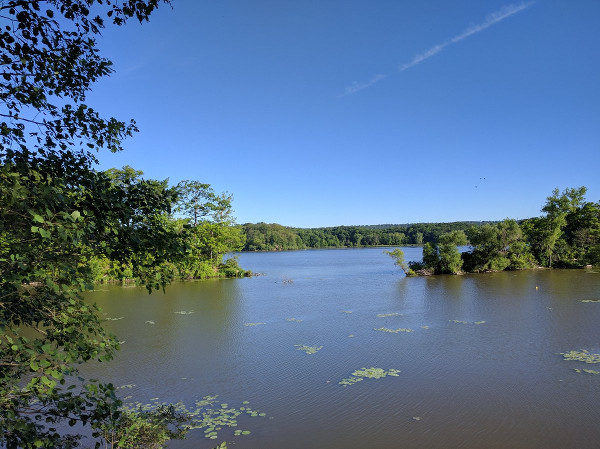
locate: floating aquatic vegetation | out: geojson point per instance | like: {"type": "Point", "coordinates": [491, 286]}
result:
{"type": "Point", "coordinates": [393, 331]}
{"type": "Point", "coordinates": [424, 327]}
{"type": "Point", "coordinates": [581, 356]}
{"type": "Point", "coordinates": [253, 324]}
{"type": "Point", "coordinates": [588, 371]}
{"type": "Point", "coordinates": [350, 381]}
{"type": "Point", "coordinates": [114, 319]}
{"type": "Point", "coordinates": [589, 300]}
{"type": "Point", "coordinates": [129, 386]}
{"type": "Point", "coordinates": [384, 315]}
{"type": "Point", "coordinates": [346, 311]}
{"type": "Point", "coordinates": [150, 322]}
{"type": "Point", "coordinates": [208, 415]}
{"type": "Point", "coordinates": [213, 420]}
{"type": "Point", "coordinates": [368, 373]}
{"type": "Point", "coordinates": [184, 312]}
{"type": "Point", "coordinates": [287, 281]}
{"type": "Point", "coordinates": [309, 349]}
{"type": "Point", "coordinates": [466, 322]}
{"type": "Point", "coordinates": [294, 319]}
{"type": "Point", "coordinates": [351, 336]}
{"type": "Point", "coordinates": [417, 418]}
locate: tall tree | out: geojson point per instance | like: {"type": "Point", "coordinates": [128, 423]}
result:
{"type": "Point", "coordinates": [557, 207]}
{"type": "Point", "coordinates": [198, 202]}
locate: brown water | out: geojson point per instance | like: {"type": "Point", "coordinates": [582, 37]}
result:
{"type": "Point", "coordinates": [498, 384]}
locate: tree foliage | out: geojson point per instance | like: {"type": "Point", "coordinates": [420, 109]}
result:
{"type": "Point", "coordinates": [58, 213]}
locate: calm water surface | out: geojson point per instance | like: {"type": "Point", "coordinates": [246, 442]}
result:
{"type": "Point", "coordinates": [498, 384]}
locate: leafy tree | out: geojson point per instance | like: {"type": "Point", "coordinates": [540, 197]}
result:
{"type": "Point", "coordinates": [449, 256]}
{"type": "Point", "coordinates": [398, 256]}
{"type": "Point", "coordinates": [57, 212]}
{"type": "Point", "coordinates": [199, 202]}
{"type": "Point", "coordinates": [497, 247]}
{"type": "Point", "coordinates": [557, 207]}
{"type": "Point", "coordinates": [431, 258]}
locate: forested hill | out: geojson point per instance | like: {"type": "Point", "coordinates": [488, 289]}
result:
{"type": "Point", "coordinates": [275, 237]}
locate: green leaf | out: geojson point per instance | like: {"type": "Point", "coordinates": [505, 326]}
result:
{"type": "Point", "coordinates": [75, 214]}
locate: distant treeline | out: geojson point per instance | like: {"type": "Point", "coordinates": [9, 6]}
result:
{"type": "Point", "coordinates": [275, 237]}
{"type": "Point", "coordinates": [566, 235]}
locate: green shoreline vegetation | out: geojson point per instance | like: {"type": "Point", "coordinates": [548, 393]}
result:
{"type": "Point", "coordinates": [566, 236]}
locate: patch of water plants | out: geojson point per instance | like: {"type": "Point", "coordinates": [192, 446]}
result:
{"type": "Point", "coordinates": [385, 315]}
{"type": "Point", "coordinates": [346, 311]}
{"type": "Point", "coordinates": [581, 356]}
{"type": "Point", "coordinates": [294, 319]}
{"type": "Point", "coordinates": [590, 300]}
{"type": "Point", "coordinates": [184, 312]}
{"type": "Point", "coordinates": [393, 331]}
{"type": "Point", "coordinates": [368, 373]}
{"type": "Point", "coordinates": [253, 324]}
{"type": "Point", "coordinates": [309, 349]}
{"type": "Point", "coordinates": [208, 415]}
{"type": "Point", "coordinates": [467, 322]}
{"type": "Point", "coordinates": [588, 371]}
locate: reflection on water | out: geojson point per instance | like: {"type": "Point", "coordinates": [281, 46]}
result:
{"type": "Point", "coordinates": [499, 383]}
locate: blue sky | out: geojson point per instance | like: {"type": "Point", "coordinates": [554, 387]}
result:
{"type": "Point", "coordinates": [323, 113]}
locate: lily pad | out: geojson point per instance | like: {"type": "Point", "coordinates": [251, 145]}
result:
{"type": "Point", "coordinates": [590, 300]}
{"type": "Point", "coordinates": [393, 331]}
{"type": "Point", "coordinates": [368, 373]}
{"type": "Point", "coordinates": [588, 371]}
{"type": "Point", "coordinates": [581, 356]}
{"type": "Point", "coordinates": [253, 324]}
{"type": "Point", "coordinates": [294, 319]}
{"type": "Point", "coordinates": [184, 312]}
{"type": "Point", "coordinates": [384, 315]}
{"type": "Point", "coordinates": [309, 349]}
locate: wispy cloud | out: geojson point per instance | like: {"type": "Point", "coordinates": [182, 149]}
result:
{"type": "Point", "coordinates": [490, 20]}
{"type": "Point", "coordinates": [356, 86]}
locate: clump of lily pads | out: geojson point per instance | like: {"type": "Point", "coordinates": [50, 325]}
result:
{"type": "Point", "coordinates": [466, 322]}
{"type": "Point", "coordinates": [588, 371]}
{"type": "Point", "coordinates": [114, 319]}
{"type": "Point", "coordinates": [368, 373]}
{"type": "Point", "coordinates": [346, 311]}
{"type": "Point", "coordinates": [294, 319]}
{"type": "Point", "coordinates": [393, 331]}
{"type": "Point", "coordinates": [309, 349]}
{"type": "Point", "coordinates": [209, 415]}
{"type": "Point", "coordinates": [385, 315]}
{"type": "Point", "coordinates": [590, 300]}
{"type": "Point", "coordinates": [253, 324]}
{"type": "Point", "coordinates": [184, 312]}
{"type": "Point", "coordinates": [581, 356]}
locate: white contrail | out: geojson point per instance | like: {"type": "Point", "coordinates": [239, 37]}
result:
{"type": "Point", "coordinates": [356, 86]}
{"type": "Point", "coordinates": [490, 20]}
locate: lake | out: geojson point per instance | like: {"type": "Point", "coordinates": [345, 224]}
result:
{"type": "Point", "coordinates": [479, 355]}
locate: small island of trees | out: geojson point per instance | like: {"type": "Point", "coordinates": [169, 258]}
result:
{"type": "Point", "coordinates": [566, 236]}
